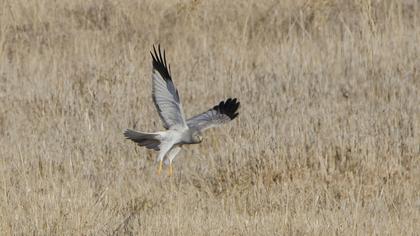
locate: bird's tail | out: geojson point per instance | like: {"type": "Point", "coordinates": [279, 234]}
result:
{"type": "Point", "coordinates": [149, 140]}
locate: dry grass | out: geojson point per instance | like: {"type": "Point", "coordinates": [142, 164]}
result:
{"type": "Point", "coordinates": [327, 142]}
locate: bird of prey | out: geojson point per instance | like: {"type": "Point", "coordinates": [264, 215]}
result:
{"type": "Point", "coordinates": [179, 131]}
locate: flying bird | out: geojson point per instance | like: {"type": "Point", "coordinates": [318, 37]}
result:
{"type": "Point", "coordinates": [179, 131]}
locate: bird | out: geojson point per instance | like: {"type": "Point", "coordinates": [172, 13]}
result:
{"type": "Point", "coordinates": [178, 130]}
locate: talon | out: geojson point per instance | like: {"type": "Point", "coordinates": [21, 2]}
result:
{"type": "Point", "coordinates": [160, 168]}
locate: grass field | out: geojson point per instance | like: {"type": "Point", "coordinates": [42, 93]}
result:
{"type": "Point", "coordinates": [327, 140]}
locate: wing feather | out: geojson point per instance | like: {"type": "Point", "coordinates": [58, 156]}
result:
{"type": "Point", "coordinates": [165, 95]}
{"type": "Point", "coordinates": [220, 114]}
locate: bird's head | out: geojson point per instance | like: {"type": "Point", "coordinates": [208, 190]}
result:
{"type": "Point", "coordinates": [197, 137]}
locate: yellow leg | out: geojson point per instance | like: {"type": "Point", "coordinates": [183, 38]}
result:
{"type": "Point", "coordinates": [170, 172]}
{"type": "Point", "coordinates": [160, 168]}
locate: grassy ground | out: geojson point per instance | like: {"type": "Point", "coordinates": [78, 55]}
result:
{"type": "Point", "coordinates": [327, 140]}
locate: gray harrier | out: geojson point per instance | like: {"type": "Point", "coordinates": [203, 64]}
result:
{"type": "Point", "coordinates": [178, 130]}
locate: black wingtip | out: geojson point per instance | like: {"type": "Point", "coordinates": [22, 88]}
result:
{"type": "Point", "coordinates": [228, 107]}
{"type": "Point", "coordinates": [159, 62]}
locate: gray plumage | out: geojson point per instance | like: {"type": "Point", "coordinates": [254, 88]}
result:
{"type": "Point", "coordinates": [178, 130]}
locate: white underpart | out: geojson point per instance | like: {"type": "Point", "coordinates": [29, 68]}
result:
{"type": "Point", "coordinates": [172, 154]}
{"type": "Point", "coordinates": [168, 104]}
{"type": "Point", "coordinates": [169, 138]}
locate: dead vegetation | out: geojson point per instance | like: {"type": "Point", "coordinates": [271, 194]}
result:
{"type": "Point", "coordinates": [327, 141]}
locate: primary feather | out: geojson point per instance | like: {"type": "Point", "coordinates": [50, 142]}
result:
{"type": "Point", "coordinates": [220, 114]}
{"type": "Point", "coordinates": [165, 95]}
{"type": "Point", "coordinates": [178, 130]}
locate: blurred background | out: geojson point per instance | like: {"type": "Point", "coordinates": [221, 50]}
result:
{"type": "Point", "coordinates": [327, 140]}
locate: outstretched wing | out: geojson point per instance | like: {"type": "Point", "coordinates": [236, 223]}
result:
{"type": "Point", "coordinates": [165, 95]}
{"type": "Point", "coordinates": [220, 114]}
